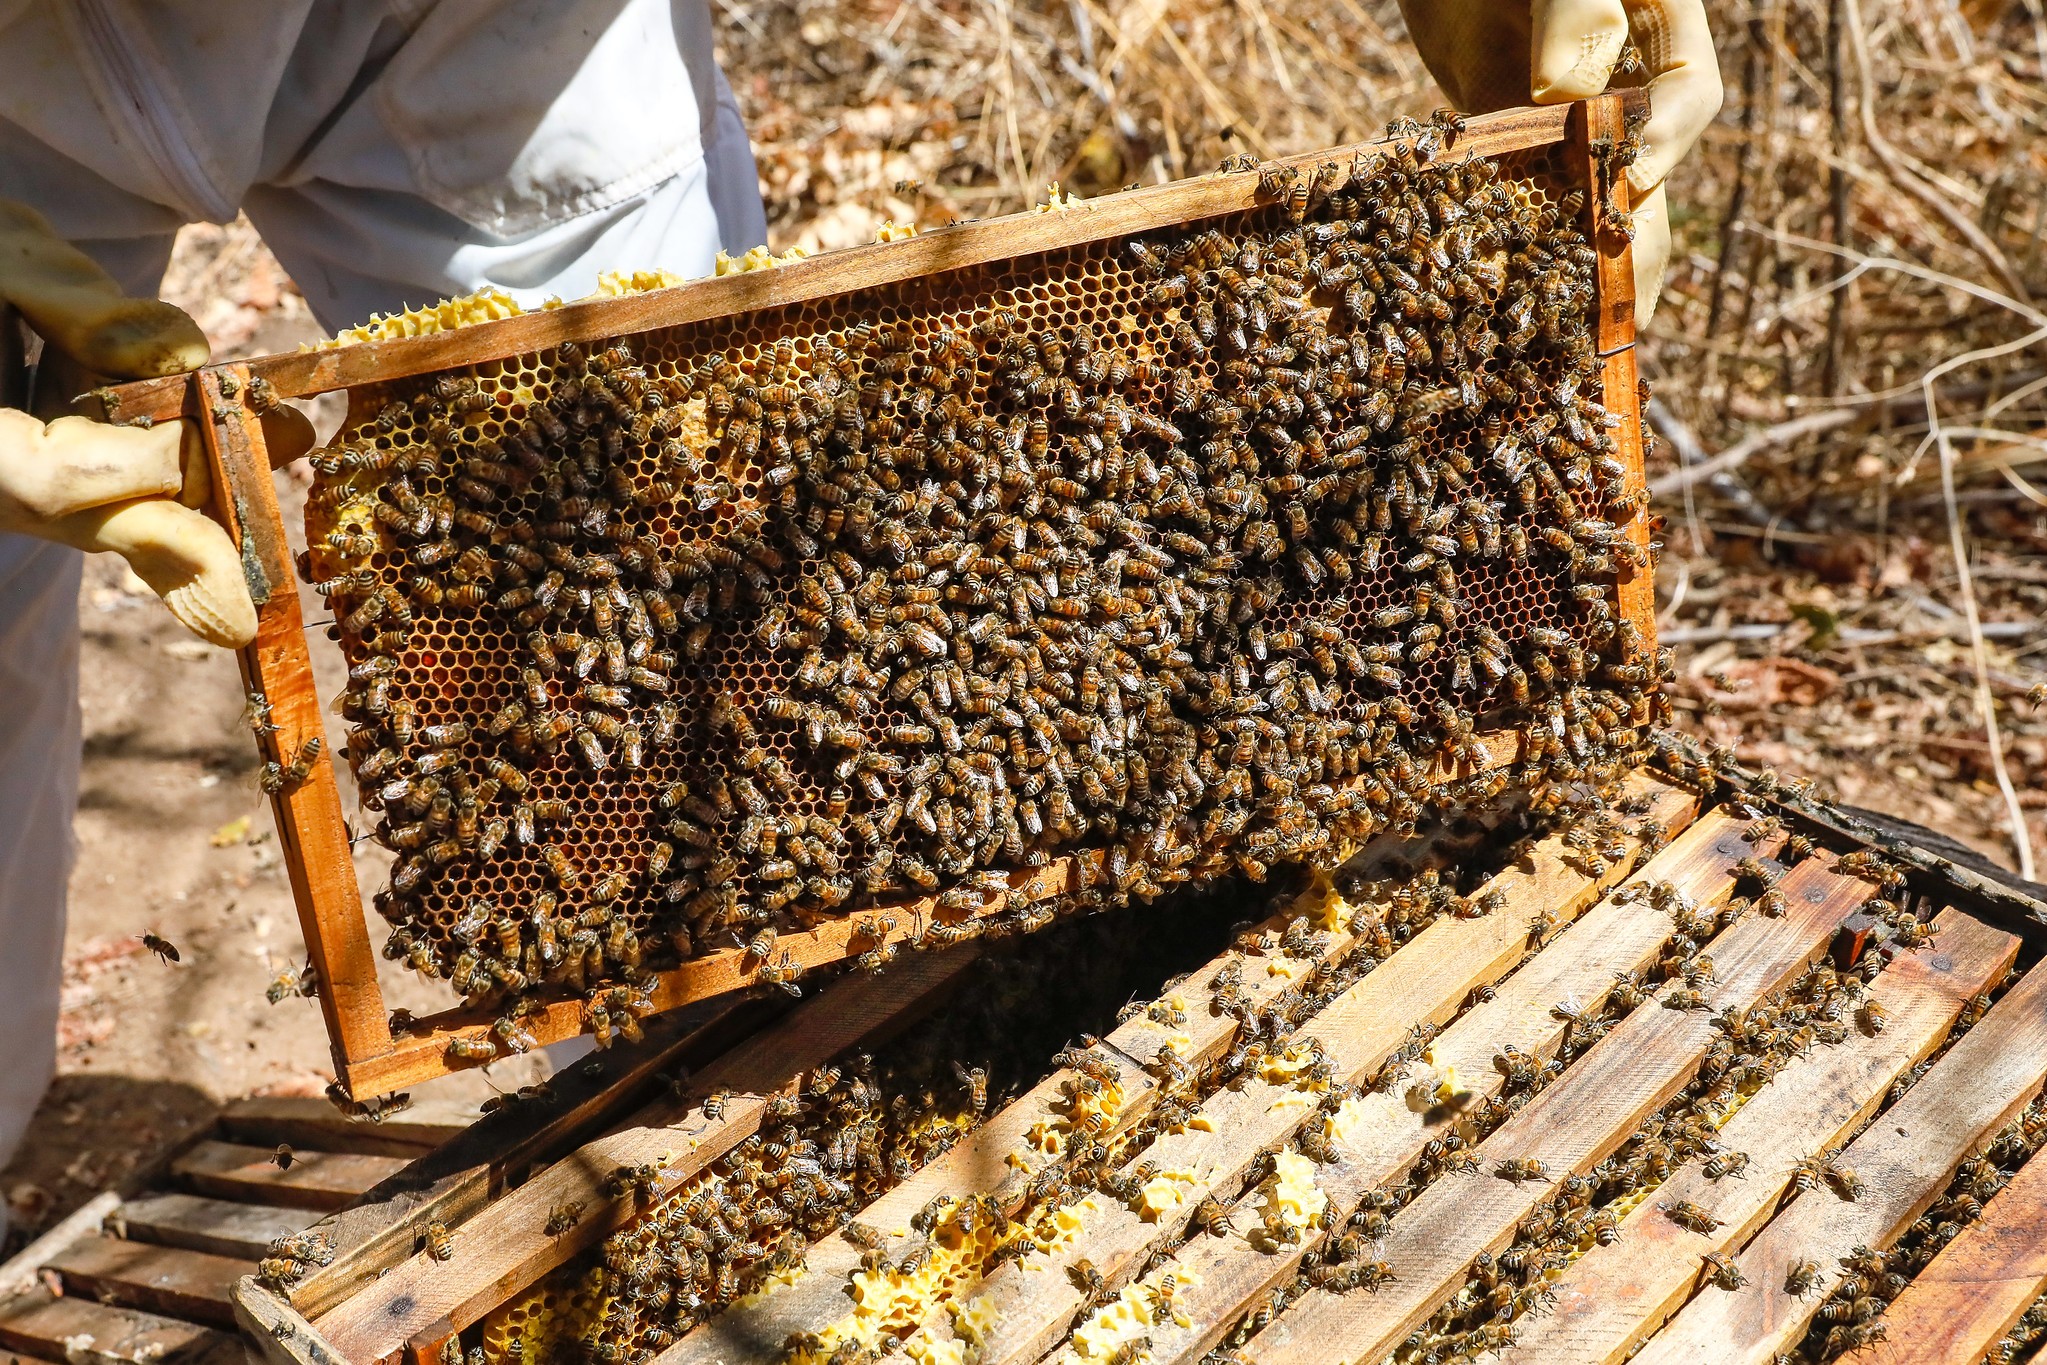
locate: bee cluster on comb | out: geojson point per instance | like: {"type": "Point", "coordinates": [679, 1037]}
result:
{"type": "Point", "coordinates": [1207, 550]}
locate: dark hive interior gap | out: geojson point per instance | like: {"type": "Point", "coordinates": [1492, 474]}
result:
{"type": "Point", "coordinates": [1211, 550]}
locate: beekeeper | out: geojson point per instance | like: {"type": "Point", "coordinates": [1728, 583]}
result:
{"type": "Point", "coordinates": [391, 154]}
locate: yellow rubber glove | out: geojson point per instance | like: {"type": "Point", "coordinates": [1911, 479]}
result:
{"type": "Point", "coordinates": [97, 487]}
{"type": "Point", "coordinates": [1496, 54]}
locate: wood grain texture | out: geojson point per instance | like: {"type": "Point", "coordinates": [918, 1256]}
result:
{"type": "Point", "coordinates": [1904, 1160]}
{"type": "Point", "coordinates": [1597, 126]}
{"type": "Point", "coordinates": [219, 1226]}
{"type": "Point", "coordinates": [1570, 1126]}
{"type": "Point", "coordinates": [275, 1331]}
{"type": "Point", "coordinates": [501, 1248]}
{"type": "Point", "coordinates": [87, 1333]}
{"type": "Point", "coordinates": [313, 1123]}
{"type": "Point", "coordinates": [1613, 1298]}
{"type": "Point", "coordinates": [1977, 1287]}
{"type": "Point", "coordinates": [192, 1285]}
{"type": "Point", "coordinates": [311, 831]}
{"type": "Point", "coordinates": [1230, 1269]}
{"type": "Point", "coordinates": [1596, 122]}
{"type": "Point", "coordinates": [995, 1157]}
{"type": "Point", "coordinates": [302, 373]}
{"type": "Point", "coordinates": [1033, 1301]}
{"type": "Point", "coordinates": [462, 1175]}
{"type": "Point", "coordinates": [316, 1180]}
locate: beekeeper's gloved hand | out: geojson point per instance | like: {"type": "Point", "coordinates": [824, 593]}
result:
{"type": "Point", "coordinates": [1495, 54]}
{"type": "Point", "coordinates": [99, 487]}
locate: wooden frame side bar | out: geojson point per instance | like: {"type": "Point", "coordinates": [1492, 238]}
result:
{"type": "Point", "coordinates": [1595, 125]}
{"type": "Point", "coordinates": [277, 669]}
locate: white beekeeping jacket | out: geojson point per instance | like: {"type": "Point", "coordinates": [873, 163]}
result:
{"type": "Point", "coordinates": [426, 146]}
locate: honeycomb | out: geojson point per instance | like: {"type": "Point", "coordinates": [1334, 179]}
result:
{"type": "Point", "coordinates": [1207, 550]}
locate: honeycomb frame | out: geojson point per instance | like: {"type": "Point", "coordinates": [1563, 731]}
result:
{"type": "Point", "coordinates": [370, 1058]}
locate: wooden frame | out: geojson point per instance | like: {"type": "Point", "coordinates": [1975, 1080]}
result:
{"type": "Point", "coordinates": [314, 834]}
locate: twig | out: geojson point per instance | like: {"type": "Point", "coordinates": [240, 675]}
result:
{"type": "Point", "coordinates": [1985, 703]}
{"type": "Point", "coordinates": [1847, 635]}
{"type": "Point", "coordinates": [1837, 202]}
{"type": "Point", "coordinates": [1686, 442]}
{"type": "Point", "coordinates": [1738, 454]}
{"type": "Point", "coordinates": [1906, 180]}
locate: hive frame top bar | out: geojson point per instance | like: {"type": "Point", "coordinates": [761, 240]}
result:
{"type": "Point", "coordinates": [304, 373]}
{"type": "Point", "coordinates": [370, 1058]}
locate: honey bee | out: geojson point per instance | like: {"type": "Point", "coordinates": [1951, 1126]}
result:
{"type": "Point", "coordinates": [1519, 1169]}
{"type": "Point", "coordinates": [439, 1242]}
{"type": "Point", "coordinates": [1689, 1216]}
{"type": "Point", "coordinates": [1722, 1271]}
{"type": "Point", "coordinates": [1800, 1278]}
{"type": "Point", "coordinates": [165, 950]}
{"type": "Point", "coordinates": [290, 982]}
{"type": "Point", "coordinates": [275, 777]}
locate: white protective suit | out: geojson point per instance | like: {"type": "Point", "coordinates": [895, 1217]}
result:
{"type": "Point", "coordinates": [391, 152]}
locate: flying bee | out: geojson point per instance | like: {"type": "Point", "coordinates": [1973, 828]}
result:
{"type": "Point", "coordinates": [290, 982]}
{"type": "Point", "coordinates": [165, 950]}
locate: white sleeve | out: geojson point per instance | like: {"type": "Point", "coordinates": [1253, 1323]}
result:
{"type": "Point", "coordinates": [507, 146]}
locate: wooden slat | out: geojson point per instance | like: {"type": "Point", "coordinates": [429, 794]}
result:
{"type": "Point", "coordinates": [1581, 1117]}
{"type": "Point", "coordinates": [1033, 1301]}
{"type": "Point", "coordinates": [458, 1178]}
{"type": "Point", "coordinates": [1904, 1161]}
{"type": "Point", "coordinates": [1226, 1272]}
{"type": "Point", "coordinates": [219, 1226]}
{"type": "Point", "coordinates": [316, 1180]}
{"type": "Point", "coordinates": [311, 831]}
{"type": "Point", "coordinates": [276, 1331]}
{"type": "Point", "coordinates": [1613, 1298]}
{"type": "Point", "coordinates": [838, 272]}
{"type": "Point", "coordinates": [1977, 1287]}
{"type": "Point", "coordinates": [501, 1249]}
{"type": "Point", "coordinates": [19, 1275]}
{"type": "Point", "coordinates": [313, 1123]}
{"type": "Point", "coordinates": [88, 1333]}
{"type": "Point", "coordinates": [170, 1280]}
{"type": "Point", "coordinates": [996, 1159]}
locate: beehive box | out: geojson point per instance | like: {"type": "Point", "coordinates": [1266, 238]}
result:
{"type": "Point", "coordinates": [1688, 1074]}
{"type": "Point", "coordinates": [701, 638]}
